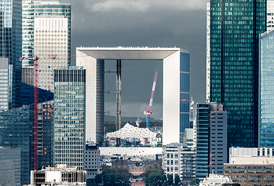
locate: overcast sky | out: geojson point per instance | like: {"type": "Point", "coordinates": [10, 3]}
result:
{"type": "Point", "coordinates": [153, 23]}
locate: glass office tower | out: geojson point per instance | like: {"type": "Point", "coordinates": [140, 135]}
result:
{"type": "Point", "coordinates": [234, 31]}
{"type": "Point", "coordinates": [35, 9]}
{"type": "Point", "coordinates": [184, 92]}
{"type": "Point", "coordinates": [11, 44]}
{"type": "Point", "coordinates": [266, 90]}
{"type": "Point", "coordinates": [69, 117]}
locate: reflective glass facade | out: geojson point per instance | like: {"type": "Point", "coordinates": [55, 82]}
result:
{"type": "Point", "coordinates": [16, 131]}
{"type": "Point", "coordinates": [45, 134]}
{"type": "Point", "coordinates": [234, 30]}
{"type": "Point", "coordinates": [202, 128]}
{"type": "Point", "coordinates": [184, 93]}
{"type": "Point", "coordinates": [11, 43]}
{"type": "Point", "coordinates": [33, 10]}
{"type": "Point", "coordinates": [69, 117]}
{"type": "Point", "coordinates": [266, 90]}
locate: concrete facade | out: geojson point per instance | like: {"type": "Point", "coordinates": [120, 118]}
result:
{"type": "Point", "coordinates": [175, 86]}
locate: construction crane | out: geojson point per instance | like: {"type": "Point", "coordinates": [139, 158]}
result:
{"type": "Point", "coordinates": [148, 112]}
{"type": "Point", "coordinates": [35, 106]}
{"type": "Point", "coordinates": [35, 110]}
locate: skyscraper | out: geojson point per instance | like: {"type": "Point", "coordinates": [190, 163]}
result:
{"type": "Point", "coordinates": [234, 31]}
{"type": "Point", "coordinates": [69, 117]}
{"type": "Point", "coordinates": [51, 44]}
{"type": "Point", "coordinates": [11, 45]}
{"type": "Point", "coordinates": [211, 139]}
{"type": "Point", "coordinates": [266, 91]}
{"type": "Point", "coordinates": [34, 9]}
{"type": "Point", "coordinates": [16, 131]}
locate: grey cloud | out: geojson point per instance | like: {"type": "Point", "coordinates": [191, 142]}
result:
{"type": "Point", "coordinates": [165, 23]}
{"type": "Point", "coordinates": [144, 5]}
{"type": "Point", "coordinates": [114, 5]}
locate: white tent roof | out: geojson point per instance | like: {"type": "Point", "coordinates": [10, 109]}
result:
{"type": "Point", "coordinates": [129, 131]}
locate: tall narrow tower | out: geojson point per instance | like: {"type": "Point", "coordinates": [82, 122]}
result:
{"type": "Point", "coordinates": [11, 46]}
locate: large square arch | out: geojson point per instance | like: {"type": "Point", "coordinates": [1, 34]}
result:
{"type": "Point", "coordinates": [175, 86]}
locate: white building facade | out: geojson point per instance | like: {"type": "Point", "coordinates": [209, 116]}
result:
{"type": "Point", "coordinates": [51, 46]}
{"type": "Point", "coordinates": [179, 159]}
{"type": "Point", "coordinates": [175, 86]}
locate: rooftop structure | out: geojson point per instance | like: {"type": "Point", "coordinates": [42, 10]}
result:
{"type": "Point", "coordinates": [60, 175]}
{"type": "Point", "coordinates": [129, 131]}
{"type": "Point", "coordinates": [217, 180]}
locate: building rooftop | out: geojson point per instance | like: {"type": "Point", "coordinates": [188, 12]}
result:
{"type": "Point", "coordinates": [28, 2]}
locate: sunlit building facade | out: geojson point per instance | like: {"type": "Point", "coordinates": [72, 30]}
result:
{"type": "Point", "coordinates": [266, 90]}
{"type": "Point", "coordinates": [35, 9]}
{"type": "Point", "coordinates": [51, 44]}
{"type": "Point", "coordinates": [11, 45]}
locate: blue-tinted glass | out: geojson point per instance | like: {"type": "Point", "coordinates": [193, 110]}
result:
{"type": "Point", "coordinates": [266, 91]}
{"type": "Point", "coordinates": [184, 92]}
{"type": "Point", "coordinates": [11, 43]}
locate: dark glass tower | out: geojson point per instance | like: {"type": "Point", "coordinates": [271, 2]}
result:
{"type": "Point", "coordinates": [235, 26]}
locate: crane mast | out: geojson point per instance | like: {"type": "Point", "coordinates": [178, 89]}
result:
{"type": "Point", "coordinates": [148, 107]}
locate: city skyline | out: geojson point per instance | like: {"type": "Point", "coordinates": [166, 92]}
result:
{"type": "Point", "coordinates": [107, 24]}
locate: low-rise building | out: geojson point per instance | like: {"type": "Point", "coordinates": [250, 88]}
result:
{"type": "Point", "coordinates": [179, 159]}
{"type": "Point", "coordinates": [251, 166]}
{"type": "Point", "coordinates": [60, 175]}
{"type": "Point", "coordinates": [93, 162]}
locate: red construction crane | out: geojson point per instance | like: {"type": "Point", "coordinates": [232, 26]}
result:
{"type": "Point", "coordinates": [35, 107]}
{"type": "Point", "coordinates": [148, 107]}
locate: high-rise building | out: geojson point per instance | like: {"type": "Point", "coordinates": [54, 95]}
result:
{"type": "Point", "coordinates": [16, 131]}
{"type": "Point", "coordinates": [51, 45]}
{"type": "Point", "coordinates": [35, 9]}
{"type": "Point", "coordinates": [266, 92]}
{"type": "Point", "coordinates": [11, 44]}
{"type": "Point", "coordinates": [69, 117]}
{"type": "Point", "coordinates": [234, 31]}
{"type": "Point", "coordinates": [211, 142]}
